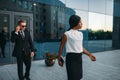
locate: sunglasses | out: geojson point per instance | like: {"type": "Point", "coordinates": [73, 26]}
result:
{"type": "Point", "coordinates": [24, 26]}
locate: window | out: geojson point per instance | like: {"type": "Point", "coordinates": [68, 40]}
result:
{"type": "Point", "coordinates": [25, 4]}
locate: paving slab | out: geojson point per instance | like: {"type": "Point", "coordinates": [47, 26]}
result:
{"type": "Point", "coordinates": [107, 67]}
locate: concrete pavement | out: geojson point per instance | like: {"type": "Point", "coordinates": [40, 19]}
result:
{"type": "Point", "coordinates": [107, 67]}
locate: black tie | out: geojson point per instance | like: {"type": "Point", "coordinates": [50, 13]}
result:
{"type": "Point", "coordinates": [22, 34]}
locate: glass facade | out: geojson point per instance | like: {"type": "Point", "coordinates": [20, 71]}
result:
{"type": "Point", "coordinates": [116, 24]}
{"type": "Point", "coordinates": [97, 22]}
{"type": "Point", "coordinates": [50, 21]}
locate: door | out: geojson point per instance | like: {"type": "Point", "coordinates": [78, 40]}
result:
{"type": "Point", "coordinates": [5, 38]}
{"type": "Point", "coordinates": [8, 22]}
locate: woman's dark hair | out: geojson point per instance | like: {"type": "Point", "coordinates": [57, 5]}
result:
{"type": "Point", "coordinates": [74, 20]}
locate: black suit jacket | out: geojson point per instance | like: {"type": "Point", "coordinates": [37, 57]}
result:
{"type": "Point", "coordinates": [22, 44]}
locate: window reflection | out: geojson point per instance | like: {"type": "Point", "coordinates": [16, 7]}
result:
{"type": "Point", "coordinates": [100, 22]}
{"type": "Point", "coordinates": [97, 6]}
{"type": "Point", "coordinates": [19, 3]}
{"type": "Point", "coordinates": [116, 9]}
{"type": "Point", "coordinates": [64, 1]}
{"type": "Point", "coordinates": [96, 21]}
{"type": "Point", "coordinates": [109, 7]}
{"type": "Point", "coordinates": [50, 22]}
{"type": "Point", "coordinates": [25, 4]}
{"type": "Point", "coordinates": [78, 4]}
{"type": "Point", "coordinates": [109, 23]}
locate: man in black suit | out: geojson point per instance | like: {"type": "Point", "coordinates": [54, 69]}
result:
{"type": "Point", "coordinates": [23, 49]}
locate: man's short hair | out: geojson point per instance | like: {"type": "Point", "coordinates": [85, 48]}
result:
{"type": "Point", "coordinates": [21, 21]}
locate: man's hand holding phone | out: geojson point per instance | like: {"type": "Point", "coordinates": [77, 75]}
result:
{"type": "Point", "coordinates": [17, 29]}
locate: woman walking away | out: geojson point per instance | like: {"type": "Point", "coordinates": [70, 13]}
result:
{"type": "Point", "coordinates": [73, 39]}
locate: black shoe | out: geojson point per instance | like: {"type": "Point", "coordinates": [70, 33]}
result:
{"type": "Point", "coordinates": [27, 78]}
{"type": "Point", "coordinates": [21, 79]}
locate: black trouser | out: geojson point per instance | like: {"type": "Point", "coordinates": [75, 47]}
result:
{"type": "Point", "coordinates": [27, 61]}
{"type": "Point", "coordinates": [3, 49]}
{"type": "Point", "coordinates": [74, 66]}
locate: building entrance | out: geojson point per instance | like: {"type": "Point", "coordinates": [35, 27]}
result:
{"type": "Point", "coordinates": [8, 22]}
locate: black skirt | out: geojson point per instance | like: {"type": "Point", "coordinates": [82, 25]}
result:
{"type": "Point", "coordinates": [74, 66]}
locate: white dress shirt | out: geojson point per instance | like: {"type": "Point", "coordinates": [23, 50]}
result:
{"type": "Point", "coordinates": [74, 42]}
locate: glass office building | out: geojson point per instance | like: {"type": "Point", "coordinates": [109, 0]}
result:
{"type": "Point", "coordinates": [47, 21]}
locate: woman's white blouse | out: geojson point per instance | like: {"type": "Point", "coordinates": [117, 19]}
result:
{"type": "Point", "coordinates": [74, 41]}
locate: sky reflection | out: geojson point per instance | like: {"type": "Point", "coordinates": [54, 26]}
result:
{"type": "Point", "coordinates": [94, 16]}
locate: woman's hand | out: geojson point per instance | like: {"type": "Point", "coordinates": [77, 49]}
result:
{"type": "Point", "coordinates": [92, 57]}
{"type": "Point", "coordinates": [60, 61]}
